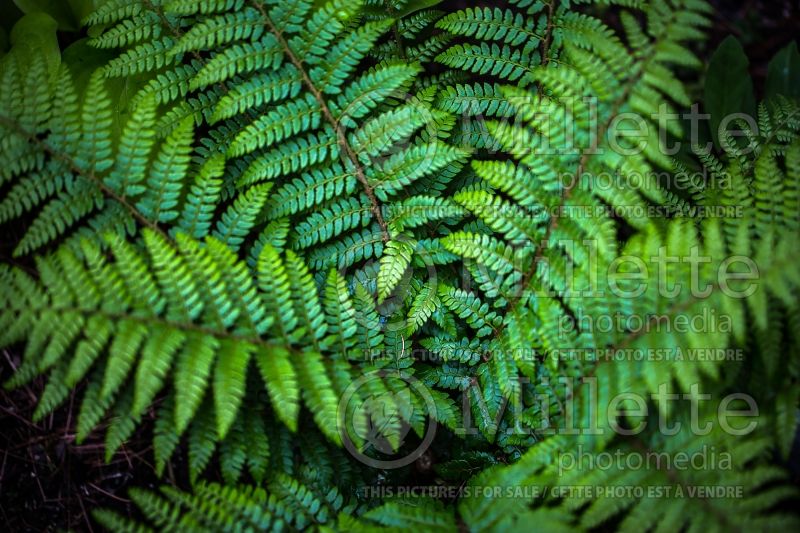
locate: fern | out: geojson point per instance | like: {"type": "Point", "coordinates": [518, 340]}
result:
{"type": "Point", "coordinates": [188, 309]}
{"type": "Point", "coordinates": [84, 182]}
{"type": "Point", "coordinates": [242, 210]}
{"type": "Point", "coordinates": [297, 60]}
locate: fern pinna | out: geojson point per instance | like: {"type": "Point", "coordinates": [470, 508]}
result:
{"type": "Point", "coordinates": [233, 210]}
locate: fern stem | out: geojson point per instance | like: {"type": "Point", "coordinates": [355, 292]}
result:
{"type": "Point", "coordinates": [326, 112]}
{"type": "Point", "coordinates": [164, 21]}
{"type": "Point", "coordinates": [177, 33]}
{"type": "Point", "coordinates": [675, 478]}
{"type": "Point", "coordinates": [392, 11]}
{"type": "Point", "coordinates": [548, 34]}
{"type": "Point", "coordinates": [182, 326]}
{"type": "Point", "coordinates": [399, 40]}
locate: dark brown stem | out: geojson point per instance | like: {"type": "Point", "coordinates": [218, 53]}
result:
{"type": "Point", "coordinates": [548, 34]}
{"type": "Point", "coordinates": [341, 138]}
{"type": "Point", "coordinates": [190, 327]}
